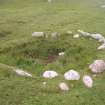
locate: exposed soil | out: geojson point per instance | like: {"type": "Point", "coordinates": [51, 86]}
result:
{"type": "Point", "coordinates": [51, 58]}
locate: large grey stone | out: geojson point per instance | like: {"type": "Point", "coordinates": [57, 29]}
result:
{"type": "Point", "coordinates": [72, 75]}
{"type": "Point", "coordinates": [50, 74]}
{"type": "Point", "coordinates": [97, 66]}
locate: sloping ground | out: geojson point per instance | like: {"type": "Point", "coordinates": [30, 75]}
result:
{"type": "Point", "coordinates": [15, 90]}
{"type": "Point", "coordinates": [18, 19]}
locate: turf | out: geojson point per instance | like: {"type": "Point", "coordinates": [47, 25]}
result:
{"type": "Point", "coordinates": [18, 19]}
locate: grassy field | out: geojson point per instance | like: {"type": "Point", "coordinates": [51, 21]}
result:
{"type": "Point", "coordinates": [18, 19]}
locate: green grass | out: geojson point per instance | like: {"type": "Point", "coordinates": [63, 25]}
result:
{"type": "Point", "coordinates": [18, 19]}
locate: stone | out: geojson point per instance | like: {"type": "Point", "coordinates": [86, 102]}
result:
{"type": "Point", "coordinates": [50, 74]}
{"type": "Point", "coordinates": [72, 75]}
{"type": "Point", "coordinates": [49, 1]}
{"type": "Point", "coordinates": [44, 83]}
{"type": "Point", "coordinates": [98, 37]}
{"type": "Point", "coordinates": [88, 82]}
{"type": "Point", "coordinates": [94, 75]}
{"type": "Point", "coordinates": [38, 34]}
{"type": "Point", "coordinates": [55, 35]}
{"type": "Point", "coordinates": [102, 6]}
{"type": "Point", "coordinates": [76, 36]}
{"type": "Point", "coordinates": [83, 33]}
{"type": "Point", "coordinates": [22, 73]}
{"type": "Point", "coordinates": [101, 47]}
{"type": "Point", "coordinates": [63, 86]}
{"type": "Point", "coordinates": [97, 66]}
{"type": "Point", "coordinates": [69, 32]}
{"type": "Point", "coordinates": [61, 54]}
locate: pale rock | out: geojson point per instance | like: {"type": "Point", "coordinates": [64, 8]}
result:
{"type": "Point", "coordinates": [55, 35]}
{"type": "Point", "coordinates": [101, 47]}
{"type": "Point", "coordinates": [97, 66]}
{"type": "Point", "coordinates": [98, 37]}
{"type": "Point", "coordinates": [22, 73]}
{"type": "Point", "coordinates": [102, 6]}
{"type": "Point", "coordinates": [50, 74]}
{"type": "Point", "coordinates": [76, 36]}
{"type": "Point", "coordinates": [83, 33]}
{"type": "Point", "coordinates": [69, 32]}
{"type": "Point", "coordinates": [63, 86]}
{"type": "Point", "coordinates": [61, 54]}
{"type": "Point", "coordinates": [88, 82]}
{"type": "Point", "coordinates": [49, 1]}
{"type": "Point", "coordinates": [44, 83]}
{"type": "Point", "coordinates": [38, 34]}
{"type": "Point", "coordinates": [72, 75]}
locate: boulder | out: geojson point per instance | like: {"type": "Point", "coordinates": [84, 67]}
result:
{"type": "Point", "coordinates": [97, 66]}
{"type": "Point", "coordinates": [88, 82]}
{"type": "Point", "coordinates": [50, 74]}
{"type": "Point", "coordinates": [72, 75]}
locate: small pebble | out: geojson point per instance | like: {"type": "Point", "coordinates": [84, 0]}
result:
{"type": "Point", "coordinates": [69, 32]}
{"type": "Point", "coordinates": [94, 75]}
{"type": "Point", "coordinates": [76, 36]}
{"type": "Point", "coordinates": [44, 83]}
{"type": "Point", "coordinates": [61, 54]}
{"type": "Point", "coordinates": [63, 86]}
